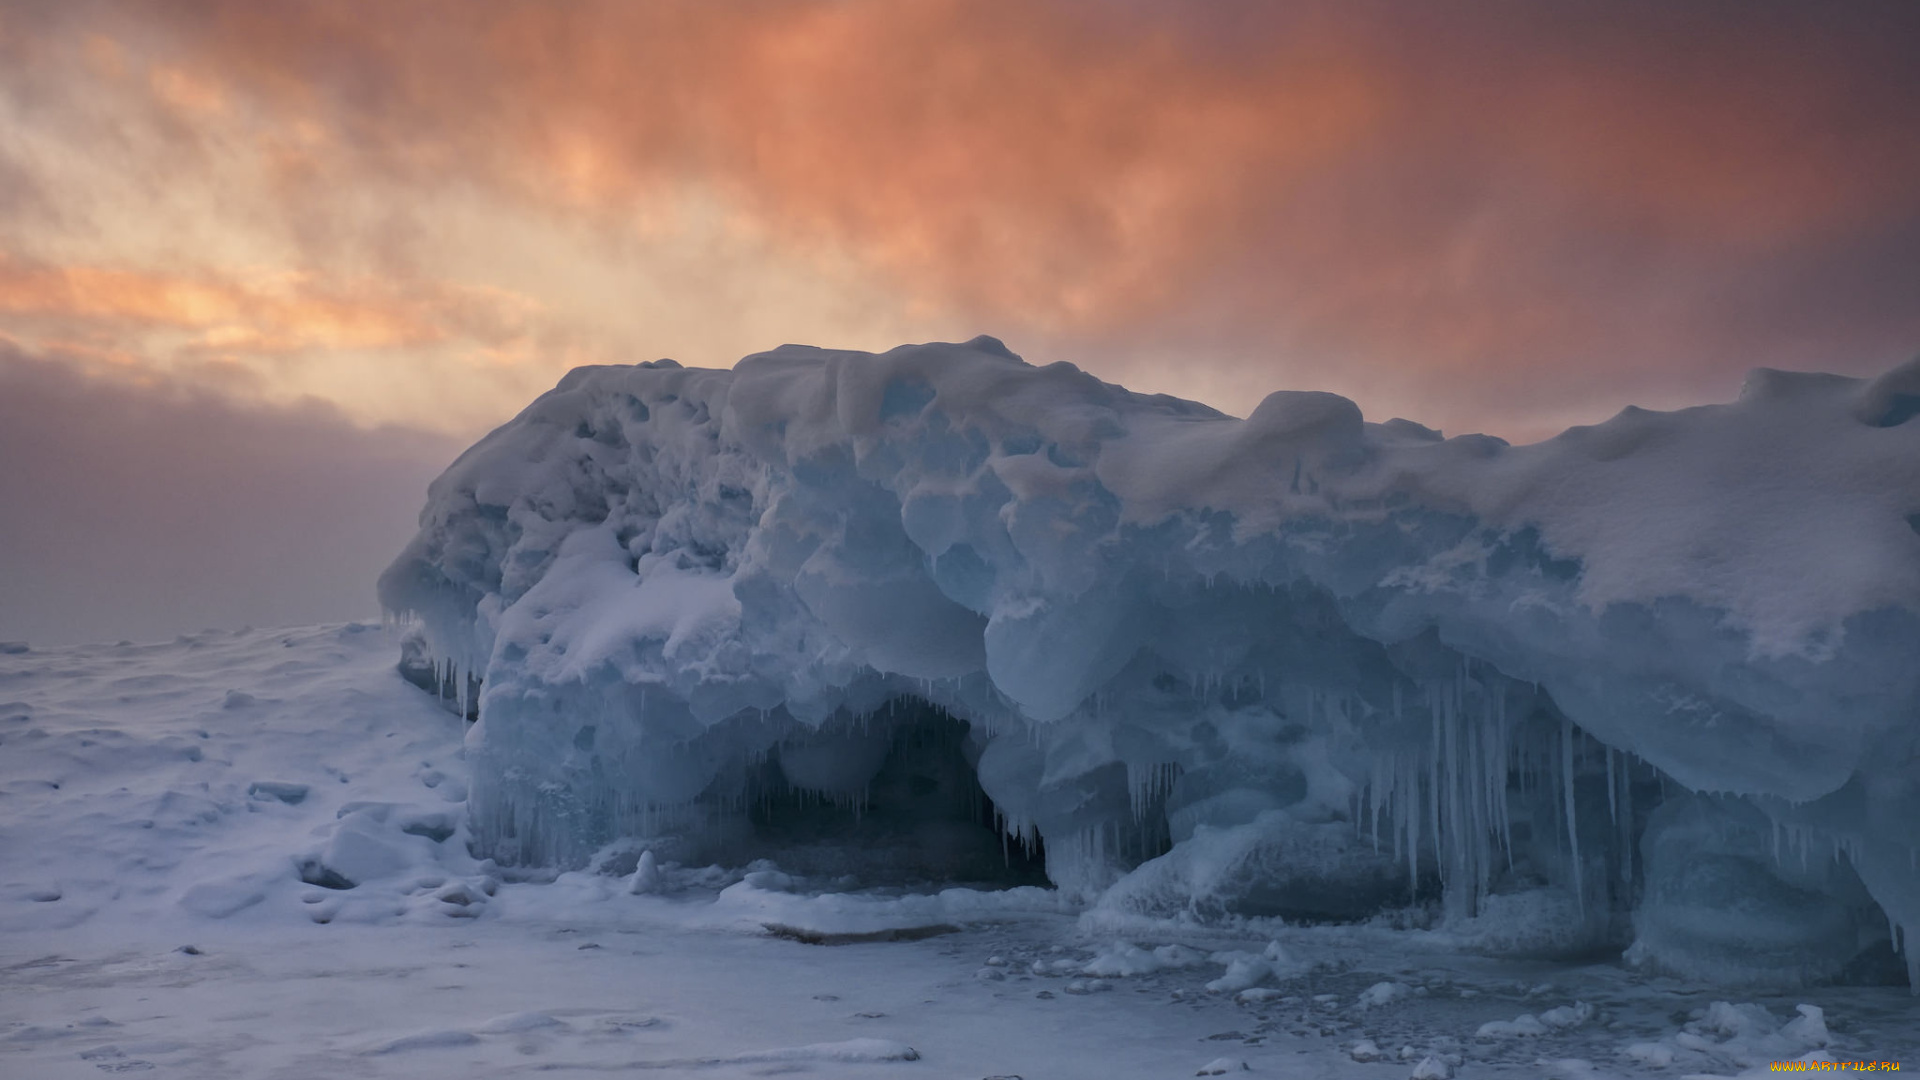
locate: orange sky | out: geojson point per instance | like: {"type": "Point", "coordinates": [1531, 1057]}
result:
{"type": "Point", "coordinates": [1504, 216]}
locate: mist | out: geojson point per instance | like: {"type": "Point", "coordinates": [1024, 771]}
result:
{"type": "Point", "coordinates": [145, 511]}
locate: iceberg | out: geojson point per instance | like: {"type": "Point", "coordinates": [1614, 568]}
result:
{"type": "Point", "coordinates": [940, 615]}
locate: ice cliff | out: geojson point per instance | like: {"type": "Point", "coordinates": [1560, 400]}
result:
{"type": "Point", "coordinates": [937, 614]}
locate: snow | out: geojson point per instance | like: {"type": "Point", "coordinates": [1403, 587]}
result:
{"type": "Point", "coordinates": [1296, 666]}
{"type": "Point", "coordinates": [1309, 824]}
{"type": "Point", "coordinates": [1382, 993]}
{"type": "Point", "coordinates": [1522, 1026]}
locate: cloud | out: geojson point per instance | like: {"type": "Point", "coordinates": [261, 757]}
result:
{"type": "Point", "coordinates": [1485, 213]}
{"type": "Point", "coordinates": [375, 345]}
{"type": "Point", "coordinates": [144, 511]}
{"type": "Point", "coordinates": [280, 313]}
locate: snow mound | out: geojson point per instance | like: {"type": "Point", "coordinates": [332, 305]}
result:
{"type": "Point", "coordinates": [940, 616]}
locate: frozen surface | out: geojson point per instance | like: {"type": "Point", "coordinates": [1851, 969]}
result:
{"type": "Point", "coordinates": [939, 617]}
{"type": "Point", "coordinates": [160, 804]}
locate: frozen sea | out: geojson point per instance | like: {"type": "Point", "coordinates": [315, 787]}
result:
{"type": "Point", "coordinates": [160, 805]}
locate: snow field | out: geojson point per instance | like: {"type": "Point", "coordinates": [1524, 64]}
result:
{"type": "Point", "coordinates": [135, 968]}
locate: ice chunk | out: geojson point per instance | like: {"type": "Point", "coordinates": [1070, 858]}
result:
{"type": "Point", "coordinates": [1807, 1029]}
{"type": "Point", "coordinates": [1720, 905]}
{"type": "Point", "coordinates": [1382, 993]}
{"type": "Point", "coordinates": [1567, 1016]}
{"type": "Point", "coordinates": [646, 875]}
{"type": "Point", "coordinates": [1118, 959]}
{"type": "Point", "coordinates": [1525, 1025]}
{"type": "Point", "coordinates": [1296, 665]}
{"type": "Point", "coordinates": [1179, 956]}
{"type": "Point", "coordinates": [1274, 865]}
{"type": "Point", "coordinates": [1243, 971]}
{"type": "Point", "coordinates": [290, 793]}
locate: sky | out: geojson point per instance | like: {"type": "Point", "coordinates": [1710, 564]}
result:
{"type": "Point", "coordinates": [265, 268]}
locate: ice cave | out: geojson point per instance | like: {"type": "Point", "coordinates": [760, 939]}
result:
{"type": "Point", "coordinates": [938, 615]}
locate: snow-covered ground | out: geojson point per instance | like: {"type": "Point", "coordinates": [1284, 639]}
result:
{"type": "Point", "coordinates": [160, 805]}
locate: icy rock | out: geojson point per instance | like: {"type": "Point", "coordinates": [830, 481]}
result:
{"type": "Point", "coordinates": [1432, 1067]}
{"type": "Point", "coordinates": [1223, 1066]}
{"type": "Point", "coordinates": [1366, 1050]}
{"type": "Point", "coordinates": [701, 602]}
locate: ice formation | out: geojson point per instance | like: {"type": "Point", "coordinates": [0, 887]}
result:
{"type": "Point", "coordinates": [943, 615]}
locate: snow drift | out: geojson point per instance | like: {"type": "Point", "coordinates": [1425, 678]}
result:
{"type": "Point", "coordinates": [925, 612]}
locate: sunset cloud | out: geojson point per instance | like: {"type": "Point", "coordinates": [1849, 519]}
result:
{"type": "Point", "coordinates": [276, 336]}
{"type": "Point", "coordinates": [1498, 215]}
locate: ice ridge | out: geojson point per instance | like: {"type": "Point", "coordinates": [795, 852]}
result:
{"type": "Point", "coordinates": [942, 606]}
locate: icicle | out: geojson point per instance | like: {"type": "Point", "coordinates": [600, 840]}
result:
{"type": "Point", "coordinates": [1412, 803]}
{"type": "Point", "coordinates": [1433, 786]}
{"type": "Point", "coordinates": [1573, 830]}
{"type": "Point", "coordinates": [1613, 808]}
{"type": "Point", "coordinates": [1626, 821]}
{"type": "Point", "coordinates": [1376, 796]}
